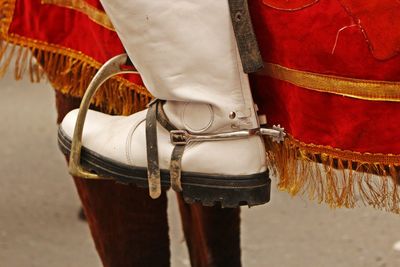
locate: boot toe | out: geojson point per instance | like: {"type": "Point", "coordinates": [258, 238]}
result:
{"type": "Point", "coordinates": [105, 134]}
{"type": "Point", "coordinates": [94, 120]}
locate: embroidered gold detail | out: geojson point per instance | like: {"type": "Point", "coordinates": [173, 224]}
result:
{"type": "Point", "coordinates": [356, 88]}
{"type": "Point", "coordinates": [82, 6]}
{"type": "Point", "coordinates": [289, 5]}
{"type": "Point", "coordinates": [6, 13]}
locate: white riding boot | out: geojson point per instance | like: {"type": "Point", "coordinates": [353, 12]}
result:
{"type": "Point", "coordinates": [186, 53]}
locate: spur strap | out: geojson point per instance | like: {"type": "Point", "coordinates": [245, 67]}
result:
{"type": "Point", "coordinates": [180, 138]}
{"type": "Point", "coordinates": [156, 114]}
{"type": "Point", "coordinates": [153, 168]}
{"type": "Point", "coordinates": [176, 157]}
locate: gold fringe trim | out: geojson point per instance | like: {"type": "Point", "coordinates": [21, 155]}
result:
{"type": "Point", "coordinates": [71, 75]}
{"type": "Point", "coordinates": [338, 178]}
{"type": "Point", "coordinates": [356, 88]}
{"type": "Point", "coordinates": [6, 14]}
{"type": "Point", "coordinates": [82, 6]}
{"type": "Point", "coordinates": [69, 71]}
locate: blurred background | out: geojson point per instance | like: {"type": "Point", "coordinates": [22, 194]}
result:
{"type": "Point", "coordinates": [39, 225]}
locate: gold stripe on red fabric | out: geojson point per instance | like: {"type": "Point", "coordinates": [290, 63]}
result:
{"type": "Point", "coordinates": [93, 13]}
{"type": "Point", "coordinates": [374, 90]}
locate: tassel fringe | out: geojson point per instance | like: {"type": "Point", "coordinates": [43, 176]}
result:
{"type": "Point", "coordinates": [71, 75]}
{"type": "Point", "coordinates": [68, 71]}
{"type": "Point", "coordinates": [338, 180]}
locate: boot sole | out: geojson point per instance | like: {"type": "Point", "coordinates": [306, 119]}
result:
{"type": "Point", "coordinates": [227, 191]}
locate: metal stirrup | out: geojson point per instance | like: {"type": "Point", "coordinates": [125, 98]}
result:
{"type": "Point", "coordinates": [115, 66]}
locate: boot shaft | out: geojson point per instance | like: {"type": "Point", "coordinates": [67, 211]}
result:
{"type": "Point", "coordinates": [186, 53]}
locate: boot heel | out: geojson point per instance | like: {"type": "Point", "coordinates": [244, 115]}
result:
{"type": "Point", "coordinates": [251, 191]}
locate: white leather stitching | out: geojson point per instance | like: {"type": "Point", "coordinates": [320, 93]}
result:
{"type": "Point", "coordinates": [128, 143]}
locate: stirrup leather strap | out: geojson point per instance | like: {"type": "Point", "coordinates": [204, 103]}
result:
{"type": "Point", "coordinates": [156, 114]}
{"type": "Point", "coordinates": [153, 168]}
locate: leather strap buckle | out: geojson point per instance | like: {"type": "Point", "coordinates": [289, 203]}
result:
{"type": "Point", "coordinates": [179, 137]}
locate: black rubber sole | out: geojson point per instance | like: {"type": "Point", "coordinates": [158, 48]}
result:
{"type": "Point", "coordinates": [210, 190]}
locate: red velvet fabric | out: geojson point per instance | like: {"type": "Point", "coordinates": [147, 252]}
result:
{"type": "Point", "coordinates": [331, 120]}
{"type": "Point", "coordinates": [65, 27]}
{"type": "Point", "coordinates": [305, 40]}
{"type": "Point", "coordinates": [380, 23]}
{"type": "Point", "coordinates": [347, 38]}
{"type": "Point", "coordinates": [74, 32]}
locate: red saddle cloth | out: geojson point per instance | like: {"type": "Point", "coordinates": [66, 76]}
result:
{"type": "Point", "coordinates": [331, 79]}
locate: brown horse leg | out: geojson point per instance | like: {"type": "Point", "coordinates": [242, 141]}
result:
{"type": "Point", "coordinates": [212, 235]}
{"type": "Point", "coordinates": [128, 228]}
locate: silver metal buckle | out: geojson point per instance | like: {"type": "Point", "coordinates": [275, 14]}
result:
{"type": "Point", "coordinates": [179, 137]}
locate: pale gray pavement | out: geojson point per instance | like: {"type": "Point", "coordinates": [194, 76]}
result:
{"type": "Point", "coordinates": [38, 207]}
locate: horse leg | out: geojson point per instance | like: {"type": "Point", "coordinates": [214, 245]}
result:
{"type": "Point", "coordinates": [128, 228]}
{"type": "Point", "coordinates": [212, 234]}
